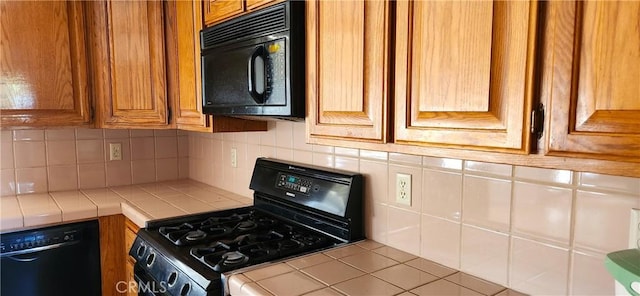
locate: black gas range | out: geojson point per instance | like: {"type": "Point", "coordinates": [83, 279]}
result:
{"type": "Point", "coordinates": [297, 209]}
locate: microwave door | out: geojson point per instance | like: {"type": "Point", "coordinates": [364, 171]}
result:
{"type": "Point", "coordinates": [227, 79]}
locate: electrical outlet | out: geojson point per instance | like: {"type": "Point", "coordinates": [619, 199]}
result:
{"type": "Point", "coordinates": [403, 189]}
{"type": "Point", "coordinates": [634, 229]}
{"type": "Point", "coordinates": [234, 157]}
{"type": "Point", "coordinates": [115, 151]}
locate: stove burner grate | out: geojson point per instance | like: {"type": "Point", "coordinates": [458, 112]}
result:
{"type": "Point", "coordinates": [195, 235]}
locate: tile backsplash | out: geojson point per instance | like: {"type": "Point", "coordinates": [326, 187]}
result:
{"type": "Point", "coordinates": [44, 160]}
{"type": "Point", "coordinates": [539, 231]}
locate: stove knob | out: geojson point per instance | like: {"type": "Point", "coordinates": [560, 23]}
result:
{"type": "Point", "coordinates": [140, 250]}
{"type": "Point", "coordinates": [173, 277]}
{"type": "Point", "coordinates": [185, 289]}
{"type": "Point", "coordinates": [150, 259]}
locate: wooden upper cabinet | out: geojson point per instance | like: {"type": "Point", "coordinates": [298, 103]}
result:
{"type": "Point", "coordinates": [592, 78]}
{"type": "Point", "coordinates": [253, 4]}
{"type": "Point", "coordinates": [184, 22]}
{"type": "Point", "coordinates": [128, 59]}
{"type": "Point", "coordinates": [347, 70]}
{"type": "Point", "coordinates": [216, 11]}
{"type": "Point", "coordinates": [43, 68]}
{"type": "Point", "coordinates": [463, 74]}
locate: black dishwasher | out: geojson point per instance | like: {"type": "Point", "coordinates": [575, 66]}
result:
{"type": "Point", "coordinates": [57, 260]}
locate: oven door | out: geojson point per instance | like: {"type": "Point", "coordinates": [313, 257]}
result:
{"type": "Point", "coordinates": [147, 286]}
{"type": "Point", "coordinates": [248, 78]}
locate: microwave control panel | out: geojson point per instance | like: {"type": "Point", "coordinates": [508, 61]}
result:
{"type": "Point", "coordinates": [276, 69]}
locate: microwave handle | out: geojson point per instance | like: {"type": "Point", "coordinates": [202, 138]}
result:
{"type": "Point", "coordinates": [258, 97]}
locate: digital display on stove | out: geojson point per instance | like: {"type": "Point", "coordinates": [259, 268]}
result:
{"type": "Point", "coordinates": [293, 183]}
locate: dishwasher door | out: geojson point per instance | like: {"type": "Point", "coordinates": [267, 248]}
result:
{"type": "Point", "coordinates": [58, 260]}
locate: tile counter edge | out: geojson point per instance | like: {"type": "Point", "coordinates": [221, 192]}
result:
{"type": "Point", "coordinates": [140, 203]}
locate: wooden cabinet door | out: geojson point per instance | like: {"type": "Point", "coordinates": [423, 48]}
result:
{"type": "Point", "coordinates": [217, 10]}
{"type": "Point", "coordinates": [347, 70]}
{"type": "Point", "coordinates": [130, 230]}
{"type": "Point", "coordinates": [129, 63]}
{"type": "Point", "coordinates": [43, 69]}
{"type": "Point", "coordinates": [593, 74]}
{"type": "Point", "coordinates": [464, 72]}
{"type": "Point", "coordinates": [184, 22]}
{"type": "Point", "coordinates": [253, 4]}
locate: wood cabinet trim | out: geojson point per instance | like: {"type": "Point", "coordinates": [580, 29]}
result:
{"type": "Point", "coordinates": [112, 258]}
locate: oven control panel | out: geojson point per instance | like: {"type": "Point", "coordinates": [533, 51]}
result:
{"type": "Point", "coordinates": [294, 183]}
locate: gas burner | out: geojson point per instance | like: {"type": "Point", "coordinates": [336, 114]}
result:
{"type": "Point", "coordinates": [195, 235]}
{"type": "Point", "coordinates": [252, 238]}
{"type": "Point", "coordinates": [288, 244]}
{"type": "Point", "coordinates": [234, 258]}
{"type": "Point", "coordinates": [223, 220]}
{"type": "Point", "coordinates": [266, 221]}
{"type": "Point", "coordinates": [216, 248]}
{"type": "Point", "coordinates": [246, 226]}
{"type": "Point", "coordinates": [226, 262]}
{"type": "Point", "coordinates": [215, 230]}
{"type": "Point", "coordinates": [165, 230]}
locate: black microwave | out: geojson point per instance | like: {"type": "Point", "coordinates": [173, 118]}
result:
{"type": "Point", "coordinates": [254, 65]}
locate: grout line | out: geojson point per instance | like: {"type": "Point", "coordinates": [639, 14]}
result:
{"type": "Point", "coordinates": [572, 224]}
{"type": "Point", "coordinates": [510, 231]}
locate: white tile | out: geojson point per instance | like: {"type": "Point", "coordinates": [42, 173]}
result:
{"type": "Point", "coordinates": [39, 209]}
{"type": "Point", "coordinates": [590, 276]}
{"type": "Point", "coordinates": [486, 167]}
{"type": "Point", "coordinates": [442, 194]}
{"type": "Point", "coordinates": [402, 229]}
{"type": "Point", "coordinates": [441, 241]}
{"type": "Point", "coordinates": [445, 163]}
{"type": "Point", "coordinates": [538, 269]}
{"type": "Point", "coordinates": [598, 181]}
{"type": "Point", "coordinates": [544, 175]}
{"type": "Point", "coordinates": [602, 220]}
{"type": "Point", "coordinates": [542, 211]}
{"type": "Point", "coordinates": [406, 159]}
{"type": "Point", "coordinates": [485, 254]}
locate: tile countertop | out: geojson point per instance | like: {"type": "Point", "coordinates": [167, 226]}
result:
{"type": "Point", "coordinates": [364, 268]}
{"type": "Point", "coordinates": [140, 203]}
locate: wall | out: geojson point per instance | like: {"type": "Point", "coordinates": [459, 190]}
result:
{"type": "Point", "coordinates": [42, 160]}
{"type": "Point", "coordinates": [538, 231]}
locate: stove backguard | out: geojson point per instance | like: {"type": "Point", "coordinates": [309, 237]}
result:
{"type": "Point", "coordinates": [328, 200]}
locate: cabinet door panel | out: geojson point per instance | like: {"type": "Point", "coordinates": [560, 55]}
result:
{"type": "Point", "coordinates": [183, 64]}
{"type": "Point", "coordinates": [347, 79]}
{"type": "Point", "coordinates": [595, 99]}
{"type": "Point", "coordinates": [138, 70]}
{"type": "Point", "coordinates": [127, 41]}
{"type": "Point", "coordinates": [463, 73]}
{"type": "Point", "coordinates": [43, 70]}
{"type": "Point", "coordinates": [217, 10]}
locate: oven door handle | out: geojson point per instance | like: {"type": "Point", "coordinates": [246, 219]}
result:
{"type": "Point", "coordinates": [257, 79]}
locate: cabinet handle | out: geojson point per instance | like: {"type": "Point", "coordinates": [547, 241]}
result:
{"type": "Point", "coordinates": [537, 121]}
